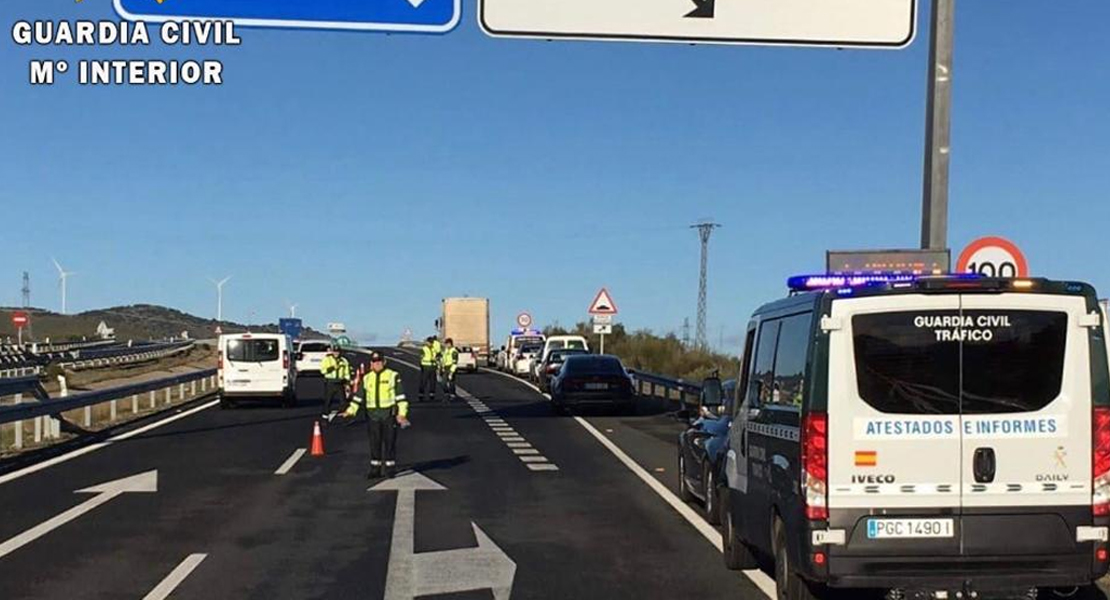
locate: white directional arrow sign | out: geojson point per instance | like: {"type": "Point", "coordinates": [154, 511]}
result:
{"type": "Point", "coordinates": [449, 571]}
{"type": "Point", "coordinates": [142, 483]}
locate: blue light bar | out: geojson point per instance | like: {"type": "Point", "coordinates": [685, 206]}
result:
{"type": "Point", "coordinates": [804, 283]}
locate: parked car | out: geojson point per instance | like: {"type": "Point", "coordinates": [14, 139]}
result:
{"type": "Point", "coordinates": [468, 359]}
{"type": "Point", "coordinates": [255, 366]}
{"type": "Point", "coordinates": [548, 368]}
{"type": "Point", "coordinates": [942, 437]}
{"type": "Point", "coordinates": [558, 342]}
{"type": "Point", "coordinates": [309, 356]}
{"type": "Point", "coordinates": [592, 380]}
{"type": "Point", "coordinates": [701, 446]}
{"type": "Point", "coordinates": [522, 362]}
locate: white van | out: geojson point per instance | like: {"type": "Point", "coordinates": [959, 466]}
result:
{"type": "Point", "coordinates": [943, 438]}
{"type": "Point", "coordinates": [255, 365]}
{"type": "Point", "coordinates": [517, 339]}
{"type": "Point", "coordinates": [559, 342]}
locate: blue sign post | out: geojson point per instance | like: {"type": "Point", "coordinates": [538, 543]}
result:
{"type": "Point", "coordinates": [405, 16]}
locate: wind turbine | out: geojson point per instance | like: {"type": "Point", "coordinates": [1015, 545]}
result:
{"type": "Point", "coordinates": [292, 309]}
{"type": "Point", "coordinates": [62, 276]}
{"type": "Point", "coordinates": [220, 299]}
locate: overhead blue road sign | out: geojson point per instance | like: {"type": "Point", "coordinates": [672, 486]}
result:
{"type": "Point", "coordinates": [412, 16]}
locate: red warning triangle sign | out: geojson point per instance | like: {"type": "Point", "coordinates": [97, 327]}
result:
{"type": "Point", "coordinates": [603, 304]}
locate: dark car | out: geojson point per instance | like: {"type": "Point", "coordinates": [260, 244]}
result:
{"type": "Point", "coordinates": [702, 446]}
{"type": "Point", "coordinates": [592, 380]}
{"type": "Point", "coordinates": [550, 367]}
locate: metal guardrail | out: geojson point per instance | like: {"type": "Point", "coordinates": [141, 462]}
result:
{"type": "Point", "coordinates": [41, 406]}
{"type": "Point", "coordinates": [125, 356]}
{"type": "Point", "coordinates": [650, 384]}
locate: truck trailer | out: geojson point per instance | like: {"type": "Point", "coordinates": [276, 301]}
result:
{"type": "Point", "coordinates": [466, 322]}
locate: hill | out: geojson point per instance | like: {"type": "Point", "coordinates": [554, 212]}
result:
{"type": "Point", "coordinates": [135, 322]}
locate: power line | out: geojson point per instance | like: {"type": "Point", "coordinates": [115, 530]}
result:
{"type": "Point", "coordinates": [705, 229]}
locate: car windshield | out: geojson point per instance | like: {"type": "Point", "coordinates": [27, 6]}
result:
{"type": "Point", "coordinates": [593, 365]}
{"type": "Point", "coordinates": [948, 361]}
{"type": "Point", "coordinates": [313, 347]}
{"type": "Point", "coordinates": [243, 350]}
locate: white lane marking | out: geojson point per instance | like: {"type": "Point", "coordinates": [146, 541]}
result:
{"type": "Point", "coordinates": [525, 451]}
{"type": "Point", "coordinates": [759, 578]}
{"type": "Point", "coordinates": [518, 444]}
{"type": "Point", "coordinates": [533, 459]}
{"type": "Point", "coordinates": [97, 446]}
{"type": "Point", "coordinates": [289, 462]}
{"type": "Point", "coordinates": [543, 467]}
{"type": "Point", "coordinates": [176, 576]}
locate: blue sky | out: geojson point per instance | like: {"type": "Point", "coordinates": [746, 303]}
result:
{"type": "Point", "coordinates": [367, 176]}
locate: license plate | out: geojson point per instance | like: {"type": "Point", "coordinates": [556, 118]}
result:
{"type": "Point", "coordinates": [239, 382]}
{"type": "Point", "coordinates": [597, 386]}
{"type": "Point", "coordinates": [880, 529]}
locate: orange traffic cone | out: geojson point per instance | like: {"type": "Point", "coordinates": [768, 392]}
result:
{"type": "Point", "coordinates": [317, 440]}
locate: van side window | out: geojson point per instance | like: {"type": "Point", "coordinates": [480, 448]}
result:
{"type": "Point", "coordinates": [790, 360]}
{"type": "Point", "coordinates": [763, 366]}
{"type": "Point", "coordinates": [745, 368]}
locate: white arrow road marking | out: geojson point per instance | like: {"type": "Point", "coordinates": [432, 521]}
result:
{"type": "Point", "coordinates": [142, 483]}
{"type": "Point", "coordinates": [176, 576]}
{"type": "Point", "coordinates": [410, 575]}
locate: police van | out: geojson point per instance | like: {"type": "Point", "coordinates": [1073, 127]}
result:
{"type": "Point", "coordinates": [938, 437]}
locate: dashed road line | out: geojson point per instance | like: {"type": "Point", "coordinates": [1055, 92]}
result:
{"type": "Point", "coordinates": [520, 447]}
{"type": "Point", "coordinates": [176, 576]}
{"type": "Point", "coordinates": [289, 462]}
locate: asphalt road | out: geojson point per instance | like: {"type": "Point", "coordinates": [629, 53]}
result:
{"type": "Point", "coordinates": [573, 519]}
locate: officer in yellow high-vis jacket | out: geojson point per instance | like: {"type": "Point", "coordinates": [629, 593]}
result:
{"type": "Point", "coordinates": [336, 370]}
{"type": "Point", "coordinates": [429, 360]}
{"type": "Point", "coordinates": [383, 398]}
{"type": "Point", "coordinates": [448, 365]}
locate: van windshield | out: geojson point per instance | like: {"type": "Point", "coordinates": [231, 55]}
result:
{"type": "Point", "coordinates": [574, 344]}
{"type": "Point", "coordinates": [252, 350]}
{"type": "Point", "coordinates": [910, 362]}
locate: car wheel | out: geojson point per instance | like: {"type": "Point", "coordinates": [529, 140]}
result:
{"type": "Point", "coordinates": [289, 399]}
{"type": "Point", "coordinates": [683, 491]}
{"type": "Point", "coordinates": [738, 555]}
{"type": "Point", "coordinates": [226, 404]}
{"type": "Point", "coordinates": [789, 585]}
{"type": "Point", "coordinates": [712, 510]}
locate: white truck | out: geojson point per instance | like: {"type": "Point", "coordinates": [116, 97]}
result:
{"type": "Point", "coordinates": [466, 322]}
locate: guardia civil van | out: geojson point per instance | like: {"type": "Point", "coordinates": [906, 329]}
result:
{"type": "Point", "coordinates": [940, 437]}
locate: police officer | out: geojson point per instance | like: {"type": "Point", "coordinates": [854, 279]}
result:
{"type": "Point", "coordinates": [428, 360]}
{"type": "Point", "coordinates": [336, 370]}
{"type": "Point", "coordinates": [449, 363]}
{"type": "Point", "coordinates": [383, 400]}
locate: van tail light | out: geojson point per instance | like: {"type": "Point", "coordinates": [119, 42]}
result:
{"type": "Point", "coordinates": [220, 360]}
{"type": "Point", "coordinates": [285, 359]}
{"type": "Point", "coordinates": [815, 465]}
{"type": "Point", "coordinates": [1100, 463]}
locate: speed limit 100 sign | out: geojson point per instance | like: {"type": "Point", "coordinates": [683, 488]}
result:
{"type": "Point", "coordinates": [993, 257]}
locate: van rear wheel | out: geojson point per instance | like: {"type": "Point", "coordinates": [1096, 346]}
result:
{"type": "Point", "coordinates": [789, 586]}
{"type": "Point", "coordinates": [737, 553]}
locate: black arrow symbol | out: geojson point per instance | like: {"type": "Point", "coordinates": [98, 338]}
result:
{"type": "Point", "coordinates": [704, 9]}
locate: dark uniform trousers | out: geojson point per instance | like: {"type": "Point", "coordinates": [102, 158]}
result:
{"type": "Point", "coordinates": [382, 429]}
{"type": "Point", "coordinates": [334, 391]}
{"type": "Point", "coordinates": [427, 382]}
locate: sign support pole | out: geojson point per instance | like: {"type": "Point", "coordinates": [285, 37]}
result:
{"type": "Point", "coordinates": [938, 126]}
{"type": "Point", "coordinates": [602, 344]}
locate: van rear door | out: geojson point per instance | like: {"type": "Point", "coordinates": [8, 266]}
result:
{"type": "Point", "coordinates": [894, 426]}
{"type": "Point", "coordinates": [254, 365]}
{"type": "Point", "coordinates": [1026, 403]}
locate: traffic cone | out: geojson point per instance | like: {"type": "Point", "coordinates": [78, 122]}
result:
{"type": "Point", "coordinates": [317, 440]}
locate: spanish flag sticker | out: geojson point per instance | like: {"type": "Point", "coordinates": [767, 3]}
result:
{"type": "Point", "coordinates": [867, 458]}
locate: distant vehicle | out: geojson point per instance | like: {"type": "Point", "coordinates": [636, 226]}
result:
{"type": "Point", "coordinates": [548, 368]}
{"type": "Point", "coordinates": [701, 446]}
{"type": "Point", "coordinates": [255, 366]}
{"type": "Point", "coordinates": [938, 437]}
{"type": "Point", "coordinates": [516, 339]}
{"type": "Point", "coordinates": [468, 360]}
{"type": "Point", "coordinates": [466, 322]}
{"type": "Point", "coordinates": [592, 380]}
{"type": "Point", "coordinates": [558, 342]}
{"type": "Point", "coordinates": [310, 354]}
{"type": "Point", "coordinates": [525, 356]}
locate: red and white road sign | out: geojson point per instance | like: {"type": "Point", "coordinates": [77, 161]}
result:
{"type": "Point", "coordinates": [20, 319]}
{"type": "Point", "coordinates": [524, 320]}
{"type": "Point", "coordinates": [603, 304]}
{"type": "Point", "coordinates": [993, 256]}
